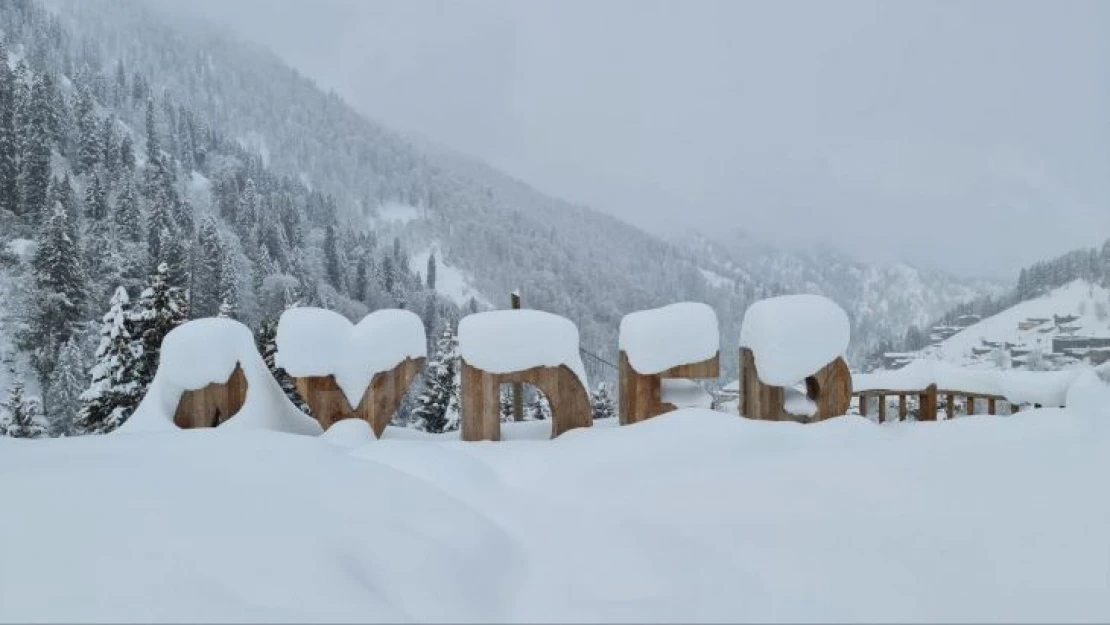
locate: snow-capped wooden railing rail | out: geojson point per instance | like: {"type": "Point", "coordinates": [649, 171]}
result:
{"type": "Point", "coordinates": [928, 402]}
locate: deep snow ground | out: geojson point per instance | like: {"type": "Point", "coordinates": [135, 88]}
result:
{"type": "Point", "coordinates": [693, 516]}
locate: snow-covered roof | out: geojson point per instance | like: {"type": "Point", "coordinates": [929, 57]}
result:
{"type": "Point", "coordinates": [504, 341]}
{"type": "Point", "coordinates": [319, 342]}
{"type": "Point", "coordinates": [794, 336]}
{"type": "Point", "coordinates": [662, 338]}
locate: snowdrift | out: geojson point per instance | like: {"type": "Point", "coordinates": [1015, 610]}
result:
{"type": "Point", "coordinates": [690, 516]}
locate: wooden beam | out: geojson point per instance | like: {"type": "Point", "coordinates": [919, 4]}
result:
{"type": "Point", "coordinates": [927, 404]}
{"type": "Point", "coordinates": [882, 407]}
{"type": "Point", "coordinates": [950, 405]}
{"type": "Point", "coordinates": [518, 388]}
{"type": "Point", "coordinates": [969, 404]}
{"type": "Point", "coordinates": [991, 405]}
{"type": "Point", "coordinates": [863, 407]}
{"type": "Point", "coordinates": [901, 406]}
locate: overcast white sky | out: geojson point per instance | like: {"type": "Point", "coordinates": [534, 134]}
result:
{"type": "Point", "coordinates": [968, 136]}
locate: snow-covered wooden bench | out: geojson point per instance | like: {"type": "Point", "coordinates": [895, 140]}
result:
{"type": "Point", "coordinates": [529, 346]}
{"type": "Point", "coordinates": [679, 341]}
{"type": "Point", "coordinates": [349, 371]}
{"type": "Point", "coordinates": [789, 342]}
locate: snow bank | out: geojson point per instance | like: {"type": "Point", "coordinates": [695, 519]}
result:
{"type": "Point", "coordinates": [683, 393]}
{"type": "Point", "coordinates": [794, 336]}
{"type": "Point", "coordinates": [349, 433]}
{"type": "Point", "coordinates": [603, 524]}
{"type": "Point", "coordinates": [206, 351]}
{"type": "Point", "coordinates": [502, 341]}
{"type": "Point", "coordinates": [1089, 395]}
{"type": "Point", "coordinates": [1048, 388]}
{"type": "Point", "coordinates": [319, 342]}
{"type": "Point", "coordinates": [798, 403]}
{"type": "Point", "coordinates": [661, 338]}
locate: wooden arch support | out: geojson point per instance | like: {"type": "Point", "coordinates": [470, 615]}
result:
{"type": "Point", "coordinates": [641, 395]}
{"type": "Point", "coordinates": [481, 403]}
{"type": "Point", "coordinates": [212, 405]}
{"type": "Point", "coordinates": [830, 388]}
{"type": "Point", "coordinates": [379, 401]}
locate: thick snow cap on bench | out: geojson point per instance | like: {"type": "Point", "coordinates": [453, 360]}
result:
{"type": "Point", "coordinates": [319, 342]}
{"type": "Point", "coordinates": [504, 341]}
{"type": "Point", "coordinates": [206, 351]}
{"type": "Point", "coordinates": [794, 336]}
{"type": "Point", "coordinates": [662, 338]}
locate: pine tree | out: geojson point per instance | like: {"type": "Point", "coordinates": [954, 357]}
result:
{"type": "Point", "coordinates": [266, 340]}
{"type": "Point", "coordinates": [89, 143]}
{"type": "Point", "coordinates": [159, 309]}
{"type": "Point", "coordinates": [9, 144]}
{"type": "Point", "coordinates": [227, 310]}
{"type": "Point", "coordinates": [59, 293]}
{"type": "Point", "coordinates": [127, 216]}
{"type": "Point", "coordinates": [34, 175]}
{"type": "Point", "coordinates": [96, 198]}
{"type": "Point", "coordinates": [208, 270]}
{"type": "Point", "coordinates": [331, 259]}
{"type": "Point", "coordinates": [437, 405]}
{"type": "Point", "coordinates": [67, 382]}
{"type": "Point", "coordinates": [431, 272]}
{"type": "Point", "coordinates": [21, 418]}
{"type": "Point", "coordinates": [601, 403]}
{"type": "Point", "coordinates": [116, 388]}
{"type": "Point", "coordinates": [246, 217]}
{"type": "Point", "coordinates": [539, 408]}
{"type": "Point", "coordinates": [109, 149]}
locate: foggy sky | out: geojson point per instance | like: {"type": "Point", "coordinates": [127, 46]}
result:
{"type": "Point", "coordinates": [972, 137]}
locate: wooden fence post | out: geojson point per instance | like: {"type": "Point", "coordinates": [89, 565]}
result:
{"type": "Point", "coordinates": [518, 387]}
{"type": "Point", "coordinates": [901, 406]}
{"type": "Point", "coordinates": [927, 404]}
{"type": "Point", "coordinates": [882, 407]}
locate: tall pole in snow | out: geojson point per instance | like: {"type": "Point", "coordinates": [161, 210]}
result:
{"type": "Point", "coordinates": [518, 388]}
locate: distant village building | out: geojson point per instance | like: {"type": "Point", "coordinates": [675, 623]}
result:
{"type": "Point", "coordinates": [897, 360]}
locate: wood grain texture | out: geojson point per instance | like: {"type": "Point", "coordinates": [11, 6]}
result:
{"type": "Point", "coordinates": [641, 394]}
{"type": "Point", "coordinates": [379, 401]}
{"type": "Point", "coordinates": [213, 404]}
{"type": "Point", "coordinates": [830, 388]}
{"type": "Point", "coordinates": [481, 399]}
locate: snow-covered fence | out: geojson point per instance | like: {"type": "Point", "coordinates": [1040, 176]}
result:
{"type": "Point", "coordinates": [789, 342]}
{"type": "Point", "coordinates": [528, 346]}
{"type": "Point", "coordinates": [351, 371]}
{"type": "Point", "coordinates": [928, 381]}
{"type": "Point", "coordinates": [679, 341]}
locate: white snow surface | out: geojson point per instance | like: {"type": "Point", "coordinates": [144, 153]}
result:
{"type": "Point", "coordinates": [798, 403]}
{"type": "Point", "coordinates": [606, 524]}
{"type": "Point", "coordinates": [451, 282]}
{"type": "Point", "coordinates": [503, 341]}
{"type": "Point", "coordinates": [793, 336]}
{"type": "Point", "coordinates": [320, 342]}
{"type": "Point", "coordinates": [683, 393]}
{"type": "Point", "coordinates": [205, 351]}
{"type": "Point", "coordinates": [661, 338]}
{"type": "Point", "coordinates": [1048, 388]}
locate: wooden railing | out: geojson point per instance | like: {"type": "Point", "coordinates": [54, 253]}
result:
{"type": "Point", "coordinates": [927, 402]}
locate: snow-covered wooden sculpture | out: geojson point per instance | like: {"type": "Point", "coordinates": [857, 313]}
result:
{"type": "Point", "coordinates": [351, 371]}
{"type": "Point", "coordinates": [661, 351]}
{"type": "Point", "coordinates": [505, 346]}
{"type": "Point", "coordinates": [210, 373]}
{"type": "Point", "coordinates": [788, 344]}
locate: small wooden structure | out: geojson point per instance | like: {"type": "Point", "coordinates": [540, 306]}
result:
{"type": "Point", "coordinates": [641, 394]}
{"type": "Point", "coordinates": [830, 388]}
{"type": "Point", "coordinates": [928, 402]}
{"type": "Point", "coordinates": [212, 405]}
{"type": "Point", "coordinates": [379, 401]}
{"type": "Point", "coordinates": [481, 399]}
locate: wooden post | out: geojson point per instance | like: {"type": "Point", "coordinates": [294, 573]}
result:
{"type": "Point", "coordinates": [481, 412]}
{"type": "Point", "coordinates": [950, 405]}
{"type": "Point", "coordinates": [1015, 408]}
{"type": "Point", "coordinates": [882, 407]}
{"type": "Point", "coordinates": [969, 405]}
{"type": "Point", "coordinates": [927, 404]}
{"type": "Point", "coordinates": [901, 406]}
{"type": "Point", "coordinates": [863, 404]}
{"type": "Point", "coordinates": [991, 405]}
{"type": "Point", "coordinates": [518, 387]}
